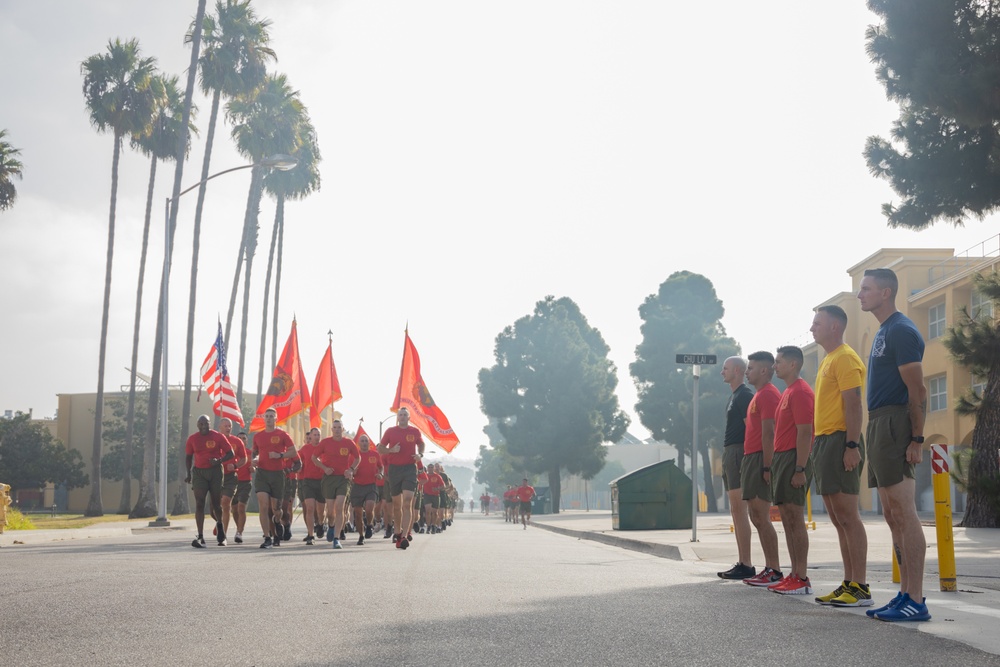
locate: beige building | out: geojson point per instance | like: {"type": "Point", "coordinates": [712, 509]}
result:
{"type": "Point", "coordinates": [934, 286]}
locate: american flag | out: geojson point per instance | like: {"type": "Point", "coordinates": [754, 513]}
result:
{"type": "Point", "coordinates": [215, 377]}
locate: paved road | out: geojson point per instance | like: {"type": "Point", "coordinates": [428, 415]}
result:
{"type": "Point", "coordinates": [482, 593]}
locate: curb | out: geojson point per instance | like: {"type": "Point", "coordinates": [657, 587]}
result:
{"type": "Point", "coordinates": [667, 551]}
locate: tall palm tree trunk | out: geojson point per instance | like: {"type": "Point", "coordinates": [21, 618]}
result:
{"type": "Point", "coordinates": [263, 320]}
{"type": "Point", "coordinates": [126, 502]}
{"type": "Point", "coordinates": [279, 218]}
{"type": "Point", "coordinates": [145, 506]}
{"type": "Point", "coordinates": [95, 506]}
{"type": "Point", "coordinates": [181, 504]}
{"type": "Point", "coordinates": [253, 210]}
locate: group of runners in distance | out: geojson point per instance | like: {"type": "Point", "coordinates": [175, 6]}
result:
{"type": "Point", "coordinates": [777, 443]}
{"type": "Point", "coordinates": [516, 503]}
{"type": "Point", "coordinates": [386, 487]}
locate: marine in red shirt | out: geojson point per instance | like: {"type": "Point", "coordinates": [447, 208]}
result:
{"type": "Point", "coordinates": [402, 447]}
{"type": "Point", "coordinates": [364, 493]}
{"type": "Point", "coordinates": [270, 449]}
{"type": "Point", "coordinates": [337, 456]}
{"type": "Point", "coordinates": [310, 483]}
{"type": "Point", "coordinates": [524, 494]}
{"type": "Point", "coordinates": [244, 484]}
{"type": "Point", "coordinates": [432, 501]}
{"type": "Point", "coordinates": [230, 479]}
{"type": "Point", "coordinates": [207, 450]}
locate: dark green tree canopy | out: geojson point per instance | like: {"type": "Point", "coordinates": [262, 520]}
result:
{"type": "Point", "coordinates": [938, 60]}
{"type": "Point", "coordinates": [30, 457]}
{"type": "Point", "coordinates": [552, 391]}
{"type": "Point", "coordinates": [10, 168]}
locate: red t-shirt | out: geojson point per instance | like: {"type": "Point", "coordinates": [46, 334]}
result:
{"type": "Point", "coordinates": [407, 438]}
{"type": "Point", "coordinates": [337, 454]}
{"type": "Point", "coordinates": [369, 463]}
{"type": "Point", "coordinates": [245, 472]}
{"type": "Point", "coordinates": [204, 447]}
{"type": "Point", "coordinates": [762, 406]}
{"type": "Point", "coordinates": [509, 494]}
{"type": "Point", "coordinates": [525, 493]}
{"type": "Point", "coordinates": [432, 486]}
{"type": "Point", "coordinates": [276, 441]}
{"type": "Point", "coordinates": [309, 469]}
{"type": "Point", "coordinates": [795, 408]}
{"type": "Point", "coordinates": [239, 452]}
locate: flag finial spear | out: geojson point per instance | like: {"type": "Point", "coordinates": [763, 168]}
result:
{"type": "Point", "coordinates": [330, 334]}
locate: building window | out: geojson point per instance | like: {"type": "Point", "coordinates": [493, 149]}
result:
{"type": "Point", "coordinates": [980, 306]}
{"type": "Point", "coordinates": [936, 321]}
{"type": "Point", "coordinates": [978, 384]}
{"type": "Point", "coordinates": [939, 394]}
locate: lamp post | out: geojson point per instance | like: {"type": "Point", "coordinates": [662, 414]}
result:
{"type": "Point", "coordinates": [280, 162]}
{"type": "Point", "coordinates": [392, 416]}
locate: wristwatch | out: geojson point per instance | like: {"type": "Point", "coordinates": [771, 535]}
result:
{"type": "Point", "coordinates": [919, 439]}
{"type": "Point", "coordinates": [851, 444]}
{"type": "Point", "coordinates": [767, 468]}
{"type": "Point", "coordinates": [800, 468]}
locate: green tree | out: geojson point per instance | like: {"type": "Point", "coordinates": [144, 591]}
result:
{"type": "Point", "coordinates": [233, 63]}
{"type": "Point", "coordinates": [265, 123]}
{"type": "Point", "coordinates": [938, 60]}
{"type": "Point", "coordinates": [552, 392]}
{"type": "Point", "coordinates": [30, 457]}
{"type": "Point", "coordinates": [116, 459]}
{"type": "Point", "coordinates": [684, 316]}
{"type": "Point", "coordinates": [496, 468]}
{"type": "Point", "coordinates": [297, 183]}
{"type": "Point", "coordinates": [159, 143]}
{"type": "Point", "coordinates": [10, 168]}
{"type": "Point", "coordinates": [120, 98]}
{"type": "Point", "coordinates": [974, 342]}
{"type": "Point", "coordinates": [145, 506]}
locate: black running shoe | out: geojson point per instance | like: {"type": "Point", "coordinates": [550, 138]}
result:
{"type": "Point", "coordinates": [320, 531]}
{"type": "Point", "coordinates": [277, 538]}
{"type": "Point", "coordinates": [267, 543]}
{"type": "Point", "coordinates": [309, 540]}
{"type": "Point", "coordinates": [343, 535]}
{"type": "Point", "coordinates": [220, 532]}
{"type": "Point", "coordinates": [198, 542]}
{"type": "Point", "coordinates": [403, 543]}
{"type": "Point", "coordinates": [388, 533]}
{"type": "Point", "coordinates": [238, 539]}
{"type": "Point", "coordinates": [738, 571]}
{"type": "Point", "coordinates": [361, 540]}
{"type": "Point", "coordinates": [368, 532]}
{"type": "Point", "coordinates": [288, 533]}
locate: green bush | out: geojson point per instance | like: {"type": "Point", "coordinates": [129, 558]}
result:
{"type": "Point", "coordinates": [17, 521]}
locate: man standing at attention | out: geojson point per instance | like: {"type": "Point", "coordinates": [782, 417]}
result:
{"type": "Point", "coordinates": [270, 449]}
{"type": "Point", "coordinates": [759, 446]}
{"type": "Point", "coordinates": [897, 401]}
{"type": "Point", "coordinates": [790, 471]}
{"type": "Point", "coordinates": [401, 447]}
{"type": "Point", "coordinates": [207, 450]}
{"type": "Point", "coordinates": [837, 453]}
{"type": "Point", "coordinates": [733, 371]}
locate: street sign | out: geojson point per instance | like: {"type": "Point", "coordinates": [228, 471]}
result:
{"type": "Point", "coordinates": [696, 359]}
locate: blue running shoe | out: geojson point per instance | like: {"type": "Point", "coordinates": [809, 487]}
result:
{"type": "Point", "coordinates": [330, 535]}
{"type": "Point", "coordinates": [906, 609]}
{"type": "Point", "coordinates": [336, 544]}
{"type": "Point", "coordinates": [870, 613]}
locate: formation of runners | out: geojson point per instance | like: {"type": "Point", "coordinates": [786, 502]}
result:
{"type": "Point", "coordinates": [342, 486]}
{"type": "Point", "coordinates": [777, 443]}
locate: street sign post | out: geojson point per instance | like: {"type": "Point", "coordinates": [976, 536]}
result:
{"type": "Point", "coordinates": [695, 361]}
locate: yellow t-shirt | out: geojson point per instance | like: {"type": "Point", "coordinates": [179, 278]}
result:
{"type": "Point", "coordinates": [839, 371]}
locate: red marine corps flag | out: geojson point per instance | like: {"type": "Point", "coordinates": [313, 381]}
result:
{"type": "Point", "coordinates": [326, 388]}
{"type": "Point", "coordinates": [412, 394]}
{"type": "Point", "coordinates": [215, 377]}
{"type": "Point", "coordinates": [288, 393]}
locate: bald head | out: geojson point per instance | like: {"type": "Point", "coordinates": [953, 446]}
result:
{"type": "Point", "coordinates": [732, 371]}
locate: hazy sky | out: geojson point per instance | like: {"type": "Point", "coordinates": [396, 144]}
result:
{"type": "Point", "coordinates": [477, 156]}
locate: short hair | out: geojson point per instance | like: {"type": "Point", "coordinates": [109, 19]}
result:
{"type": "Point", "coordinates": [271, 410]}
{"type": "Point", "coordinates": [336, 421]}
{"type": "Point", "coordinates": [404, 409]}
{"type": "Point", "coordinates": [314, 429]}
{"type": "Point", "coordinates": [762, 355]}
{"type": "Point", "coordinates": [792, 352]}
{"type": "Point", "coordinates": [836, 312]}
{"type": "Point", "coordinates": [885, 278]}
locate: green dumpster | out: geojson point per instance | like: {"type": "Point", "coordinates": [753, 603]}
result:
{"type": "Point", "coordinates": [542, 502]}
{"type": "Point", "coordinates": [655, 497]}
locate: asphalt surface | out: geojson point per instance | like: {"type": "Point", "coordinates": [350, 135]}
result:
{"type": "Point", "coordinates": [482, 593]}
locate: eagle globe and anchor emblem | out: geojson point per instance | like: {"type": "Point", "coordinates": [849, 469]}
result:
{"type": "Point", "coordinates": [422, 395]}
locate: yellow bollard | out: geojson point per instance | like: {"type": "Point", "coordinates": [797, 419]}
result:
{"type": "Point", "coordinates": [809, 511]}
{"type": "Point", "coordinates": [895, 567]}
{"type": "Point", "coordinates": [942, 517]}
{"type": "Point", "coordinates": [4, 502]}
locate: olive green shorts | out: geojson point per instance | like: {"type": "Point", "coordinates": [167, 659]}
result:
{"type": "Point", "coordinates": [888, 436]}
{"type": "Point", "coordinates": [525, 507]}
{"type": "Point", "coordinates": [828, 463]}
{"type": "Point", "coordinates": [271, 482]}
{"type": "Point", "coordinates": [402, 478]}
{"type": "Point", "coordinates": [242, 492]}
{"type": "Point", "coordinates": [229, 482]}
{"type": "Point", "coordinates": [732, 458]}
{"type": "Point", "coordinates": [207, 479]}
{"type": "Point", "coordinates": [362, 493]}
{"type": "Point", "coordinates": [752, 478]}
{"type": "Point", "coordinates": [335, 485]}
{"type": "Point", "coordinates": [434, 501]}
{"type": "Point", "coordinates": [291, 485]}
{"type": "Point", "coordinates": [782, 469]}
{"type": "Point", "coordinates": [311, 489]}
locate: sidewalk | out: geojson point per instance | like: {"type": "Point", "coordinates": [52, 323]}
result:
{"type": "Point", "coordinates": [971, 615]}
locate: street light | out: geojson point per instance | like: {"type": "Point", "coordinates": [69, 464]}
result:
{"type": "Point", "coordinates": [280, 162]}
{"type": "Point", "coordinates": [392, 416]}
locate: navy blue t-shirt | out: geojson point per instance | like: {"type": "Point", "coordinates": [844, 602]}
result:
{"type": "Point", "coordinates": [897, 343]}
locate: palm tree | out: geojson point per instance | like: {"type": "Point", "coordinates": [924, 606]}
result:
{"type": "Point", "coordinates": [264, 124]}
{"type": "Point", "coordinates": [159, 143]}
{"type": "Point", "coordinates": [10, 168]}
{"type": "Point", "coordinates": [297, 183]}
{"type": "Point", "coordinates": [120, 99]}
{"type": "Point", "coordinates": [145, 506]}
{"type": "Point", "coordinates": [233, 62]}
